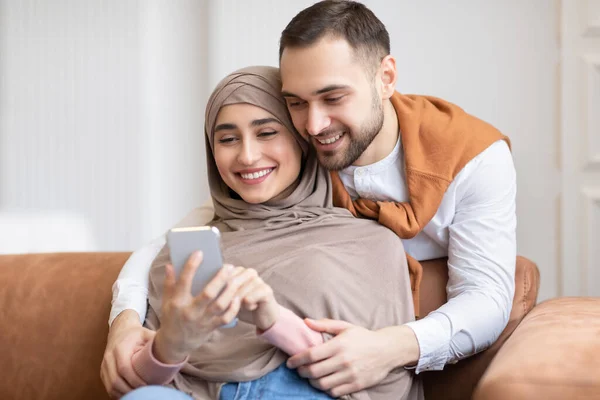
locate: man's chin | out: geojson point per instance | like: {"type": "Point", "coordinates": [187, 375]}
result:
{"type": "Point", "coordinates": [332, 162]}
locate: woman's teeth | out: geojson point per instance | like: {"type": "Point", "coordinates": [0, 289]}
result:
{"type": "Point", "coordinates": [331, 139]}
{"type": "Point", "coordinates": [256, 175]}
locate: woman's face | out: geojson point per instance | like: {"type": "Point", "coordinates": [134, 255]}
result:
{"type": "Point", "coordinates": [257, 157]}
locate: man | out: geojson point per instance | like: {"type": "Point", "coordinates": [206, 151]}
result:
{"type": "Point", "coordinates": [338, 77]}
{"type": "Point", "coordinates": [339, 83]}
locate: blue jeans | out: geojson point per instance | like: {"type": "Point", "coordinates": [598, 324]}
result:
{"type": "Point", "coordinates": [156, 393]}
{"type": "Point", "coordinates": [283, 383]}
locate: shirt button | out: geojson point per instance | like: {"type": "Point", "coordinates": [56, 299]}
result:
{"type": "Point", "coordinates": [360, 172]}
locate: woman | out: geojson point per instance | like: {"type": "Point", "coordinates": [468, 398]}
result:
{"type": "Point", "coordinates": [274, 209]}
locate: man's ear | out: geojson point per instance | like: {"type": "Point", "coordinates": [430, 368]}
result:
{"type": "Point", "coordinates": [389, 75]}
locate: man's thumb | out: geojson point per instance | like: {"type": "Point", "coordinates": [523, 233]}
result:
{"type": "Point", "coordinates": [148, 334]}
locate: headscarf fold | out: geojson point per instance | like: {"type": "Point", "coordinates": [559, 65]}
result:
{"type": "Point", "coordinates": [320, 261]}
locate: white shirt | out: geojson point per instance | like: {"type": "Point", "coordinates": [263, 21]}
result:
{"type": "Point", "coordinates": [475, 226]}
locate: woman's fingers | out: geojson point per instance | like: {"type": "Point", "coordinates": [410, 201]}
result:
{"type": "Point", "coordinates": [184, 283]}
{"type": "Point", "coordinates": [169, 285]}
{"type": "Point", "coordinates": [214, 287]}
{"type": "Point", "coordinates": [261, 293]}
{"type": "Point", "coordinates": [249, 287]}
{"type": "Point", "coordinates": [254, 292]}
{"type": "Point", "coordinates": [230, 313]}
{"type": "Point", "coordinates": [221, 304]}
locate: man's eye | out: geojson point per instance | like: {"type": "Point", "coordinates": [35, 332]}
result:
{"type": "Point", "coordinates": [333, 99]}
{"type": "Point", "coordinates": [267, 134]}
{"type": "Point", "coordinates": [294, 104]}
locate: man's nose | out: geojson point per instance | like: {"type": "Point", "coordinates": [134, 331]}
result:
{"type": "Point", "coordinates": [317, 120]}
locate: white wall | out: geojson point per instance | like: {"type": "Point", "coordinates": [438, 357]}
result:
{"type": "Point", "coordinates": [70, 114]}
{"type": "Point", "coordinates": [173, 94]}
{"type": "Point", "coordinates": [101, 113]}
{"type": "Point", "coordinates": [121, 86]}
{"type": "Point", "coordinates": [580, 147]}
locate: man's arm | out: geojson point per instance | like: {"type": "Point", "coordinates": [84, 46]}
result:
{"type": "Point", "coordinates": [127, 315]}
{"type": "Point", "coordinates": [125, 336]}
{"type": "Point", "coordinates": [130, 290]}
{"type": "Point", "coordinates": [481, 264]}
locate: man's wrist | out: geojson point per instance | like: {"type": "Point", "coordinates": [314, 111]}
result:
{"type": "Point", "coordinates": [126, 319]}
{"type": "Point", "coordinates": [403, 346]}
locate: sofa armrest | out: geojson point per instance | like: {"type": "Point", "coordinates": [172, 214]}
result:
{"type": "Point", "coordinates": [457, 381]}
{"type": "Point", "coordinates": [553, 354]}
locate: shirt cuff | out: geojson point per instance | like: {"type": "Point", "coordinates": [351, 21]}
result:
{"type": "Point", "coordinates": [152, 371]}
{"type": "Point", "coordinates": [290, 333]}
{"type": "Point", "coordinates": [128, 294]}
{"type": "Point", "coordinates": [433, 334]}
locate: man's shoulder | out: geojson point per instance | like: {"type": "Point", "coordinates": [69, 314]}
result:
{"type": "Point", "coordinates": [492, 168]}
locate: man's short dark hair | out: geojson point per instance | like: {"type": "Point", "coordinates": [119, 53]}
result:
{"type": "Point", "coordinates": [349, 20]}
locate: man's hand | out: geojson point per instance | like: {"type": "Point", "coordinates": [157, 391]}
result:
{"type": "Point", "coordinates": [125, 337]}
{"type": "Point", "coordinates": [356, 358]}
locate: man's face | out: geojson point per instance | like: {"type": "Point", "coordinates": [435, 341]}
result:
{"type": "Point", "coordinates": [333, 102]}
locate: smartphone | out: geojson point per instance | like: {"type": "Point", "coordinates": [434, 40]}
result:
{"type": "Point", "coordinates": [185, 241]}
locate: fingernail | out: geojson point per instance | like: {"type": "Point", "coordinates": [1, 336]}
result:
{"type": "Point", "coordinates": [228, 269]}
{"type": "Point", "coordinates": [197, 256]}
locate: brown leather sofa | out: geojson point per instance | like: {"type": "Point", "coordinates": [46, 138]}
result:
{"type": "Point", "coordinates": [53, 327]}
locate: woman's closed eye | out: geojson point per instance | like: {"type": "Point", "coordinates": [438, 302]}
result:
{"type": "Point", "coordinates": [227, 139]}
{"type": "Point", "coordinates": [267, 134]}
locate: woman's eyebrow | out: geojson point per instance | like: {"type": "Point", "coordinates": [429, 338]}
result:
{"type": "Point", "coordinates": [262, 121]}
{"type": "Point", "coordinates": [225, 127]}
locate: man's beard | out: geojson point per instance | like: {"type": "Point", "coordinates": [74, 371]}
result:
{"type": "Point", "coordinates": [358, 141]}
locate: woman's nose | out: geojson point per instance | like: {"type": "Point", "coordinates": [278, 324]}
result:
{"type": "Point", "coordinates": [249, 153]}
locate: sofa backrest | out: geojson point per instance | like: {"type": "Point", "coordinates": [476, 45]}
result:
{"type": "Point", "coordinates": [54, 322]}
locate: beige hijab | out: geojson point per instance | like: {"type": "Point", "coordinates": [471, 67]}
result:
{"type": "Point", "coordinates": [320, 261]}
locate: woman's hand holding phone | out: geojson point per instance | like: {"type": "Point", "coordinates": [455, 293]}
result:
{"type": "Point", "coordinates": [187, 321]}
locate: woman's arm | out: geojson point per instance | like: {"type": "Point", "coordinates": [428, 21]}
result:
{"type": "Point", "coordinates": [130, 291]}
{"type": "Point", "coordinates": [290, 333]}
{"type": "Point", "coordinates": [275, 323]}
